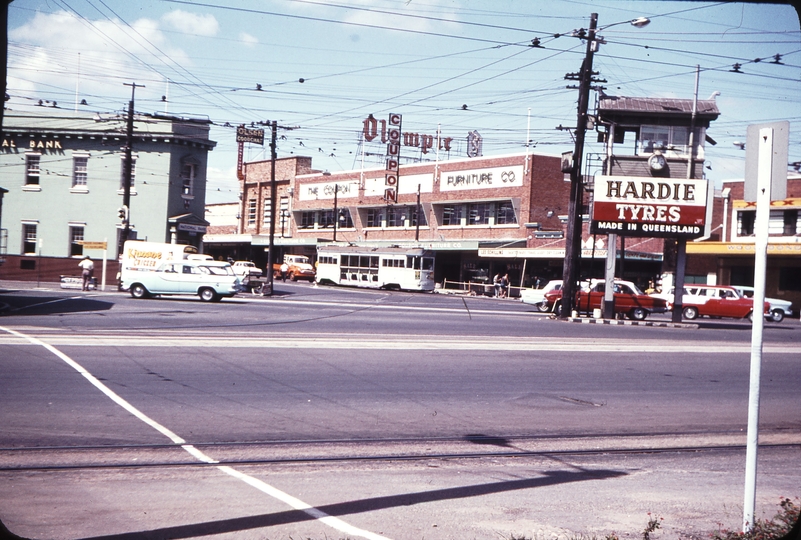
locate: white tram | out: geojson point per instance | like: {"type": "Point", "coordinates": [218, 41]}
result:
{"type": "Point", "coordinates": [385, 267]}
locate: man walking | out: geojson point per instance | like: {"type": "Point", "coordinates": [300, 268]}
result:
{"type": "Point", "coordinates": [87, 271]}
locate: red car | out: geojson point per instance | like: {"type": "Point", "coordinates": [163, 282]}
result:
{"type": "Point", "coordinates": [715, 301]}
{"type": "Point", "coordinates": [629, 299]}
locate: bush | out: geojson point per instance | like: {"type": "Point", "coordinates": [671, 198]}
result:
{"type": "Point", "coordinates": [764, 529]}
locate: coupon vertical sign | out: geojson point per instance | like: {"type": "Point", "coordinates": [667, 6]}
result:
{"type": "Point", "coordinates": [393, 158]}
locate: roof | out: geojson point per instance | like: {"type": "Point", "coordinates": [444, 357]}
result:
{"type": "Point", "coordinates": [631, 106]}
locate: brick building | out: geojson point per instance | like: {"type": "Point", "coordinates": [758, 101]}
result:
{"type": "Point", "coordinates": [480, 215]}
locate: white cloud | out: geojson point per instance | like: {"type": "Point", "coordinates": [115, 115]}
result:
{"type": "Point", "coordinates": [192, 23]}
{"type": "Point", "coordinates": [57, 53]}
{"type": "Point", "coordinates": [248, 40]}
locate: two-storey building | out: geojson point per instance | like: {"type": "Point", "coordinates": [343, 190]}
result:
{"type": "Point", "coordinates": [64, 173]}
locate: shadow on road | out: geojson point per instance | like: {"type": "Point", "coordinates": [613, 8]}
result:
{"type": "Point", "coordinates": [50, 305]}
{"type": "Point", "coordinates": [365, 505]}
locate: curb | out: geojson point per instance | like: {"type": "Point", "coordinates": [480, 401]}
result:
{"type": "Point", "coordinates": [619, 322]}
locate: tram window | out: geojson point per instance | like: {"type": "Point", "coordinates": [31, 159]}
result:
{"type": "Point", "coordinates": [374, 262]}
{"type": "Point", "coordinates": [428, 263]}
{"type": "Point", "coordinates": [413, 262]}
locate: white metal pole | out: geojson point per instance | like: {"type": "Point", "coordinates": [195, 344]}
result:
{"type": "Point", "coordinates": [105, 261]}
{"type": "Point", "coordinates": [764, 172]}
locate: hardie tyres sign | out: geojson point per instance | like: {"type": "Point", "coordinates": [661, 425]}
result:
{"type": "Point", "coordinates": [642, 206]}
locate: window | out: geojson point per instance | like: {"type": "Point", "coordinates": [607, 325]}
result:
{"type": "Point", "coordinates": [745, 222]}
{"type": "Point", "coordinates": [188, 178]}
{"type": "Point", "coordinates": [675, 138]}
{"type": "Point", "coordinates": [307, 220]}
{"type": "Point", "coordinates": [326, 219]}
{"type": "Point", "coordinates": [396, 216]}
{"type": "Point", "coordinates": [267, 214]}
{"type": "Point", "coordinates": [252, 212]}
{"type": "Point", "coordinates": [345, 220]}
{"type": "Point", "coordinates": [505, 214]}
{"type": "Point", "coordinates": [375, 217]}
{"type": "Point", "coordinates": [32, 169]}
{"type": "Point", "coordinates": [80, 164]}
{"type": "Point", "coordinates": [479, 213]}
{"type": "Point", "coordinates": [790, 222]}
{"type": "Point", "coordinates": [452, 215]}
{"type": "Point", "coordinates": [284, 216]}
{"type": "Point", "coordinates": [122, 172]}
{"type": "Point", "coordinates": [76, 237]}
{"type": "Point", "coordinates": [788, 279]}
{"type": "Point", "coordinates": [417, 215]}
{"type": "Point", "coordinates": [29, 238]}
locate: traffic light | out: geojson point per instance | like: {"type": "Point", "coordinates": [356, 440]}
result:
{"type": "Point", "coordinates": [122, 212]}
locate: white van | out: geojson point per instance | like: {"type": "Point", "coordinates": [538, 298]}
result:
{"type": "Point", "coordinates": [154, 268]}
{"type": "Point", "coordinates": [210, 280]}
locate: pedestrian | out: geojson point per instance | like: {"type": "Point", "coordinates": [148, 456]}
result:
{"type": "Point", "coordinates": [504, 285]}
{"type": "Point", "coordinates": [496, 281]}
{"type": "Point", "coordinates": [87, 272]}
{"type": "Point", "coordinates": [284, 270]}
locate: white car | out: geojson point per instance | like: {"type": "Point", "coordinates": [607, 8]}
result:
{"type": "Point", "coordinates": [536, 297]}
{"type": "Point", "coordinates": [246, 269]}
{"type": "Point", "coordinates": [779, 309]}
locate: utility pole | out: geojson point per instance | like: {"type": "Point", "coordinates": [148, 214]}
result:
{"type": "Point", "coordinates": [271, 248]}
{"type": "Point", "coordinates": [336, 211]}
{"type": "Point", "coordinates": [127, 169]}
{"type": "Point", "coordinates": [417, 221]}
{"type": "Point", "coordinates": [570, 273]}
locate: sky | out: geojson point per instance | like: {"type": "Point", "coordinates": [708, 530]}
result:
{"type": "Point", "coordinates": [319, 68]}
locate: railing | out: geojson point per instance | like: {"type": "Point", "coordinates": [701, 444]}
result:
{"type": "Point", "coordinates": [3, 245]}
{"type": "Point", "coordinates": [475, 288]}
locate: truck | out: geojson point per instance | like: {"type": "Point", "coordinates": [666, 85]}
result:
{"type": "Point", "coordinates": [299, 267]}
{"type": "Point", "coordinates": [152, 269]}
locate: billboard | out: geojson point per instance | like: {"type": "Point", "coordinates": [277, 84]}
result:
{"type": "Point", "coordinates": [643, 206]}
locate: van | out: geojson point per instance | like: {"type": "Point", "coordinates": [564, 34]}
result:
{"type": "Point", "coordinates": [154, 268]}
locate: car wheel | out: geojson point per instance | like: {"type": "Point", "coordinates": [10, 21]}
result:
{"type": "Point", "coordinates": [638, 314]}
{"type": "Point", "coordinates": [690, 312]}
{"type": "Point", "coordinates": [544, 306]}
{"type": "Point", "coordinates": [208, 295]}
{"type": "Point", "coordinates": [138, 291]}
{"type": "Point", "coordinates": [776, 315]}
{"type": "Point", "coordinates": [292, 276]}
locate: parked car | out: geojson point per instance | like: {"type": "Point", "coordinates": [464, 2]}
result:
{"type": "Point", "coordinates": [536, 297]}
{"type": "Point", "coordinates": [713, 301]}
{"type": "Point", "coordinates": [779, 309]}
{"type": "Point", "coordinates": [246, 269]}
{"type": "Point", "coordinates": [629, 299]}
{"type": "Point", "coordinates": [210, 280]}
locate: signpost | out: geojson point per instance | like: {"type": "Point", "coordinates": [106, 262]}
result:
{"type": "Point", "coordinates": [99, 245]}
{"type": "Point", "coordinates": [765, 180]}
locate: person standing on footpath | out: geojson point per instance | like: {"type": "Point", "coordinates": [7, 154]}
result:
{"type": "Point", "coordinates": [284, 270]}
{"type": "Point", "coordinates": [87, 272]}
{"type": "Point", "coordinates": [505, 286]}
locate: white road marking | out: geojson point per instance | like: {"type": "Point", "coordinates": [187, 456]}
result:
{"type": "Point", "coordinates": [392, 342]}
{"type": "Point", "coordinates": [291, 501]}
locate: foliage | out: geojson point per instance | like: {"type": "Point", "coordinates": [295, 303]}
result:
{"type": "Point", "coordinates": [764, 529]}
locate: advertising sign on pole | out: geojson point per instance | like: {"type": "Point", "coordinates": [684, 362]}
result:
{"type": "Point", "coordinates": [643, 206]}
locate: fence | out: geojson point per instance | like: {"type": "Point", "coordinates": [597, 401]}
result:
{"type": "Point", "coordinates": [475, 288]}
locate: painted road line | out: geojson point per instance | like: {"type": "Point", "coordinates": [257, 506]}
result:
{"type": "Point", "coordinates": [393, 342]}
{"type": "Point", "coordinates": [293, 502]}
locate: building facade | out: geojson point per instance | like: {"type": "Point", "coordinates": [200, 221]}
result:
{"type": "Point", "coordinates": [726, 257]}
{"type": "Point", "coordinates": [64, 173]}
{"type": "Point", "coordinates": [458, 208]}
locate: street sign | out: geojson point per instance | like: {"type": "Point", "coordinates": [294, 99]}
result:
{"type": "Point", "coordinates": [255, 136]}
{"type": "Point", "coordinates": [781, 145]}
{"type": "Point", "coordinates": [93, 245]}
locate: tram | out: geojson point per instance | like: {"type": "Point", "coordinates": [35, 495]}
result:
{"type": "Point", "coordinates": [376, 267]}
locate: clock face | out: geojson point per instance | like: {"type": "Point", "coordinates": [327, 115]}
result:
{"type": "Point", "coordinates": [657, 162]}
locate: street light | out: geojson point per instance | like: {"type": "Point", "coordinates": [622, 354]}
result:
{"type": "Point", "coordinates": [574, 222]}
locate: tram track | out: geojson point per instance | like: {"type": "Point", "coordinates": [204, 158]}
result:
{"type": "Point", "coordinates": [378, 450]}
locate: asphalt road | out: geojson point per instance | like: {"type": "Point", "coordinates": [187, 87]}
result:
{"type": "Point", "coordinates": [331, 413]}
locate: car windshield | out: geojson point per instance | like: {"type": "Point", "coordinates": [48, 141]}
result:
{"type": "Point", "coordinates": [217, 270]}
